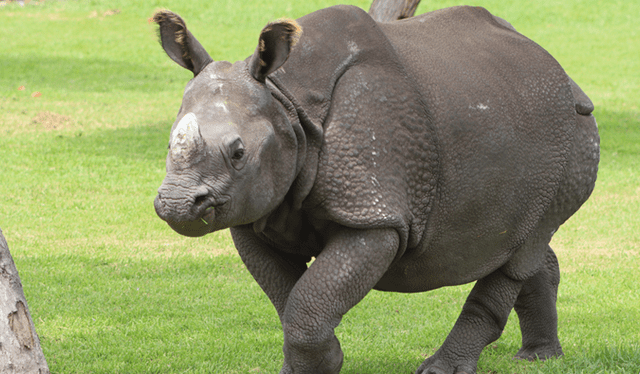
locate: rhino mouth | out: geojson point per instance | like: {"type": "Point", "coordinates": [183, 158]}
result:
{"type": "Point", "coordinates": [205, 207]}
{"type": "Point", "coordinates": [209, 214]}
{"type": "Point", "coordinates": [200, 221]}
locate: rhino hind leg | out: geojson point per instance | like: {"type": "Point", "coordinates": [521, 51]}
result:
{"type": "Point", "coordinates": [536, 308]}
{"type": "Point", "coordinates": [481, 322]}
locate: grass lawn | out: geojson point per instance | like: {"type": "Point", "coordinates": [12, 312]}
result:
{"type": "Point", "coordinates": [87, 98]}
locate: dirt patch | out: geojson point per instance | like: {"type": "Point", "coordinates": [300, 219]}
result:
{"type": "Point", "coordinates": [21, 2]}
{"type": "Point", "coordinates": [111, 12]}
{"type": "Point", "coordinates": [52, 121]}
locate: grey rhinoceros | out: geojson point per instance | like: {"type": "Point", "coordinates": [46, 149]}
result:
{"type": "Point", "coordinates": [406, 156]}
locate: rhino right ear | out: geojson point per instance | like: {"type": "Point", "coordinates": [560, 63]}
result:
{"type": "Point", "coordinates": [181, 46]}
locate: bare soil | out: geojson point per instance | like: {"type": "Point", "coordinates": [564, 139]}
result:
{"type": "Point", "coordinates": [52, 121]}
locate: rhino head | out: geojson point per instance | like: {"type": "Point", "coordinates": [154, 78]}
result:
{"type": "Point", "coordinates": [233, 153]}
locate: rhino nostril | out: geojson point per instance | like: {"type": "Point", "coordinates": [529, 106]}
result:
{"type": "Point", "coordinates": [200, 200]}
{"type": "Point", "coordinates": [200, 196]}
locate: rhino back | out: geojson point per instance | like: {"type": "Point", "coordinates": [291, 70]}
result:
{"type": "Point", "coordinates": [504, 115]}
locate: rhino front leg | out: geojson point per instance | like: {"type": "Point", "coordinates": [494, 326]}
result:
{"type": "Point", "coordinates": [483, 317]}
{"type": "Point", "coordinates": [349, 266]}
{"type": "Point", "coordinates": [275, 272]}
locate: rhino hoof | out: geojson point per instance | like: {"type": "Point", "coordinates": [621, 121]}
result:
{"type": "Point", "coordinates": [539, 353]}
{"type": "Point", "coordinates": [437, 366]}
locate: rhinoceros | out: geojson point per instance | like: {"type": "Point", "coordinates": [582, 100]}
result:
{"type": "Point", "coordinates": [405, 156]}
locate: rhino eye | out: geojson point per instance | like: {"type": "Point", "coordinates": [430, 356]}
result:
{"type": "Point", "coordinates": [238, 154]}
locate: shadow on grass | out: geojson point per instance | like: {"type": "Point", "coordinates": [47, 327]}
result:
{"type": "Point", "coordinates": [88, 75]}
{"type": "Point", "coordinates": [132, 144]}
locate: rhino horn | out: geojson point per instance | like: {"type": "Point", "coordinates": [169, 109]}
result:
{"type": "Point", "coordinates": [187, 145]}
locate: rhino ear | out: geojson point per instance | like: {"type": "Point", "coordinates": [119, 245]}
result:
{"type": "Point", "coordinates": [179, 43]}
{"type": "Point", "coordinates": [275, 43]}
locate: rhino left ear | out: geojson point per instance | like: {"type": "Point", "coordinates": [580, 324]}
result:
{"type": "Point", "coordinates": [181, 46]}
{"type": "Point", "coordinates": [276, 42]}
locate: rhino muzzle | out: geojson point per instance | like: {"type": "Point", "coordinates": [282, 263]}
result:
{"type": "Point", "coordinates": [190, 214]}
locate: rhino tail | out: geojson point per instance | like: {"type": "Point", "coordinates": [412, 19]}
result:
{"type": "Point", "coordinates": [584, 105]}
{"type": "Point", "coordinates": [392, 10]}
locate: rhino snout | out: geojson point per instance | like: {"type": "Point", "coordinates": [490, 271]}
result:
{"type": "Point", "coordinates": [190, 213]}
{"type": "Point", "coordinates": [175, 204]}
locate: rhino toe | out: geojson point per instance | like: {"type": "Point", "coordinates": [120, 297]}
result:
{"type": "Point", "coordinates": [434, 365]}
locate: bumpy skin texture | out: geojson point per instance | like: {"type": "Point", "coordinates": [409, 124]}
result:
{"type": "Point", "coordinates": [435, 151]}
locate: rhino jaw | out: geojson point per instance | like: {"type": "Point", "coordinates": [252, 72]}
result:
{"type": "Point", "coordinates": [186, 142]}
{"type": "Point", "coordinates": [197, 227]}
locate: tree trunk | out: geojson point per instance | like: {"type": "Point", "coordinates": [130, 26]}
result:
{"type": "Point", "coordinates": [20, 350]}
{"type": "Point", "coordinates": [392, 10]}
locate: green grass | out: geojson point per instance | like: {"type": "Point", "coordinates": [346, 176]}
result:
{"type": "Point", "coordinates": [113, 290]}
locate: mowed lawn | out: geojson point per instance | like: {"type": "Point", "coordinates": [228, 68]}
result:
{"type": "Point", "coordinates": [87, 99]}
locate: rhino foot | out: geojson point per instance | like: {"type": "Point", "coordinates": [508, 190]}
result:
{"type": "Point", "coordinates": [286, 369]}
{"type": "Point", "coordinates": [539, 353]}
{"type": "Point", "coordinates": [435, 365]}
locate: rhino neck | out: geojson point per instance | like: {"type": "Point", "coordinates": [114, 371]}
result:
{"type": "Point", "coordinates": [309, 135]}
{"type": "Point", "coordinates": [286, 225]}
{"type": "Point", "coordinates": [305, 83]}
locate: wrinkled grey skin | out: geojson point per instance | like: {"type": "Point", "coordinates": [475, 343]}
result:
{"type": "Point", "coordinates": [434, 151]}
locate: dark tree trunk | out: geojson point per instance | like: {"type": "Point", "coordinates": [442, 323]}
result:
{"type": "Point", "coordinates": [392, 10]}
{"type": "Point", "coordinates": [20, 350]}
